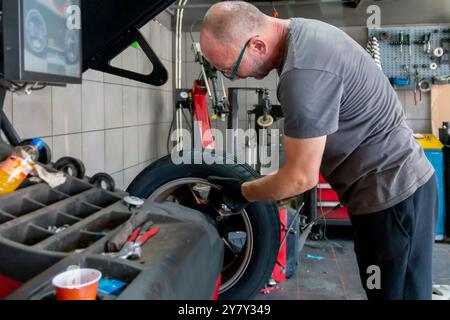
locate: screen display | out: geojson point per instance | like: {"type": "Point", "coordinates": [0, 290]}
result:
{"type": "Point", "coordinates": [52, 37]}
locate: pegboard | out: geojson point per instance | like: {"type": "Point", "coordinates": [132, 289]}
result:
{"type": "Point", "coordinates": [395, 56]}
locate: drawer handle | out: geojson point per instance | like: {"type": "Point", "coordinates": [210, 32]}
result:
{"type": "Point", "coordinates": [327, 204]}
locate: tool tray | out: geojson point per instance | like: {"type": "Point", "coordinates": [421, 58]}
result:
{"type": "Point", "coordinates": [183, 261]}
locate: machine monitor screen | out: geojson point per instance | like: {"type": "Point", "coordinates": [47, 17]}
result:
{"type": "Point", "coordinates": [49, 44]}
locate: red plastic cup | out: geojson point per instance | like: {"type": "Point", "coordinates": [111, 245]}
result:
{"type": "Point", "coordinates": [77, 284]}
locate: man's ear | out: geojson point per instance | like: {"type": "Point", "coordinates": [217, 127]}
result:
{"type": "Point", "coordinates": [259, 45]}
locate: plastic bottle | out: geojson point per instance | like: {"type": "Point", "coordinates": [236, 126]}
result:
{"type": "Point", "coordinates": [18, 165]}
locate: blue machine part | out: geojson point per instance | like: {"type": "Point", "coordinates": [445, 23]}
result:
{"type": "Point", "coordinates": [436, 157]}
{"type": "Point", "coordinates": [111, 286]}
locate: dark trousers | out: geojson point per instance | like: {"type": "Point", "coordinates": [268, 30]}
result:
{"type": "Point", "coordinates": [398, 242]}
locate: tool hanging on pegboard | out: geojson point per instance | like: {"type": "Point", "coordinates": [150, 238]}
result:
{"type": "Point", "coordinates": [373, 48]}
{"type": "Point", "coordinates": [421, 48]}
{"type": "Point", "coordinates": [275, 13]}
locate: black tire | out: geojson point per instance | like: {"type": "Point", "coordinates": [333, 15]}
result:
{"type": "Point", "coordinates": [103, 181]}
{"type": "Point", "coordinates": [72, 166]}
{"type": "Point", "coordinates": [263, 217]}
{"type": "Point", "coordinates": [45, 154]}
{"type": "Point", "coordinates": [317, 233]}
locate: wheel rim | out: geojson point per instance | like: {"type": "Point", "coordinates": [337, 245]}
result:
{"type": "Point", "coordinates": [72, 46]}
{"type": "Point", "coordinates": [36, 31]}
{"type": "Point", "coordinates": [237, 253]}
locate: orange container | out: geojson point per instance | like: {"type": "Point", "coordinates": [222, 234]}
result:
{"type": "Point", "coordinates": [77, 284]}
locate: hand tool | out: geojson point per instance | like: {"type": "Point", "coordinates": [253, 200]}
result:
{"type": "Point", "coordinates": [132, 248]}
{"type": "Point", "coordinates": [401, 42]}
{"type": "Point", "coordinates": [408, 40]}
{"type": "Point", "coordinates": [427, 43]}
{"type": "Point", "coordinates": [137, 245]}
{"type": "Point", "coordinates": [416, 86]}
{"type": "Point", "coordinates": [118, 240]}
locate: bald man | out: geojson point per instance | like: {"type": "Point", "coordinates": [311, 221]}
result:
{"type": "Point", "coordinates": [343, 119]}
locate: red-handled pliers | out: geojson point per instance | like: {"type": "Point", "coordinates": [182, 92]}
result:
{"type": "Point", "coordinates": [147, 235]}
{"type": "Point", "coordinates": [141, 240]}
{"type": "Point", "coordinates": [141, 235]}
{"type": "Point", "coordinates": [132, 249]}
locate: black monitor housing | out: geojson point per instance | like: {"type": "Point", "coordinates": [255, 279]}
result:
{"type": "Point", "coordinates": [108, 27]}
{"type": "Point", "coordinates": [41, 41]}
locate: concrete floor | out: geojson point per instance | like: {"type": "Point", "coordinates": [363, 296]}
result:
{"type": "Point", "coordinates": [337, 276]}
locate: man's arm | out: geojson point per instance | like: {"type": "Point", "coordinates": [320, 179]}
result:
{"type": "Point", "coordinates": [300, 174]}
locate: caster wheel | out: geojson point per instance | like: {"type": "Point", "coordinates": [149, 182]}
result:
{"type": "Point", "coordinates": [103, 181]}
{"type": "Point", "coordinates": [45, 154]}
{"type": "Point", "coordinates": [71, 166]}
{"type": "Point", "coordinates": [317, 235]}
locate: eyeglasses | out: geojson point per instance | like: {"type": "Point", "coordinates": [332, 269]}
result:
{"type": "Point", "coordinates": [238, 62]}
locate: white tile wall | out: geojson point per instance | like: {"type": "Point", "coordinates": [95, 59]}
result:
{"type": "Point", "coordinates": [114, 156]}
{"type": "Point", "coordinates": [160, 132]}
{"type": "Point", "coordinates": [8, 105]}
{"type": "Point", "coordinates": [155, 37]}
{"type": "Point", "coordinates": [144, 65]}
{"type": "Point", "coordinates": [110, 123]}
{"type": "Point", "coordinates": [113, 106]}
{"type": "Point", "coordinates": [131, 146]}
{"type": "Point", "coordinates": [130, 62]}
{"type": "Point", "coordinates": [118, 63]}
{"type": "Point", "coordinates": [66, 104]}
{"type": "Point", "coordinates": [144, 108]}
{"type": "Point", "coordinates": [32, 115]}
{"type": "Point", "coordinates": [191, 73]}
{"type": "Point", "coordinates": [67, 145]}
{"type": "Point", "coordinates": [145, 143]}
{"type": "Point", "coordinates": [93, 111]}
{"type": "Point", "coordinates": [130, 106]}
{"type": "Point", "coordinates": [129, 174]}
{"type": "Point", "coordinates": [93, 75]}
{"type": "Point", "coordinates": [118, 178]}
{"type": "Point", "coordinates": [93, 151]}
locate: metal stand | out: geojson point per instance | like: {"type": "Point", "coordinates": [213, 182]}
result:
{"type": "Point", "coordinates": [262, 110]}
{"type": "Point", "coordinates": [6, 125]}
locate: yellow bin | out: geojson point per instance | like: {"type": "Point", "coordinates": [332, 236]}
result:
{"type": "Point", "coordinates": [434, 151]}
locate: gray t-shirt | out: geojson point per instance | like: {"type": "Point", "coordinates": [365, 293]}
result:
{"type": "Point", "coordinates": [330, 86]}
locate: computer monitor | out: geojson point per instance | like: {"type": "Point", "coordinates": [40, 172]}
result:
{"type": "Point", "coordinates": [42, 41]}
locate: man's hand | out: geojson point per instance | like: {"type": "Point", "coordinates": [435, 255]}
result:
{"type": "Point", "coordinates": [300, 174]}
{"type": "Point", "coordinates": [231, 194]}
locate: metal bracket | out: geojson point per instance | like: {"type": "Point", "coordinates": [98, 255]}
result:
{"type": "Point", "coordinates": [157, 77]}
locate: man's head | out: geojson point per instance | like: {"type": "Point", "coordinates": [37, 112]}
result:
{"type": "Point", "coordinates": [240, 40]}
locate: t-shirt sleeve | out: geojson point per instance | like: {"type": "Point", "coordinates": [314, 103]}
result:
{"type": "Point", "coordinates": [311, 101]}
